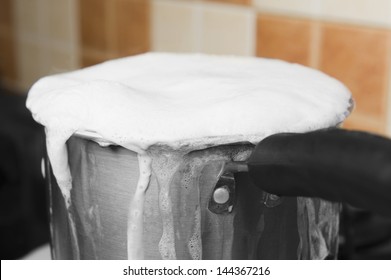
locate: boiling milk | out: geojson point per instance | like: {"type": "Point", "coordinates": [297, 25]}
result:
{"type": "Point", "coordinates": [182, 101]}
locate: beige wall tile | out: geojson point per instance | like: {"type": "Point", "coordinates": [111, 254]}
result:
{"type": "Point", "coordinates": [36, 61]}
{"type": "Point", "coordinates": [59, 17]}
{"type": "Point", "coordinates": [377, 12]}
{"type": "Point", "coordinates": [359, 58]}
{"type": "Point", "coordinates": [284, 38]}
{"type": "Point", "coordinates": [174, 25]}
{"type": "Point", "coordinates": [228, 30]}
{"type": "Point", "coordinates": [29, 64]}
{"type": "Point", "coordinates": [198, 26]}
{"type": "Point", "coordinates": [27, 18]}
{"type": "Point", "coordinates": [389, 92]}
{"type": "Point", "coordinates": [308, 8]}
{"type": "Point", "coordinates": [372, 12]}
{"type": "Point", "coordinates": [46, 38]}
{"type": "Point", "coordinates": [57, 61]}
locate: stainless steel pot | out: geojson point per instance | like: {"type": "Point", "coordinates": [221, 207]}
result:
{"type": "Point", "coordinates": [250, 224]}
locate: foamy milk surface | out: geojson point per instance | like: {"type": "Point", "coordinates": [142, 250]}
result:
{"type": "Point", "coordinates": [185, 101]}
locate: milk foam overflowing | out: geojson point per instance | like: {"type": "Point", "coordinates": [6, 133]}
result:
{"type": "Point", "coordinates": [135, 217]}
{"type": "Point", "coordinates": [183, 101]}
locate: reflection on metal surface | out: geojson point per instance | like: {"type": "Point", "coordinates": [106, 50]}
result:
{"type": "Point", "coordinates": [318, 225]}
{"type": "Point", "coordinates": [104, 180]}
{"type": "Point", "coordinates": [221, 195]}
{"type": "Point", "coordinates": [271, 200]}
{"type": "Point", "coordinates": [222, 199]}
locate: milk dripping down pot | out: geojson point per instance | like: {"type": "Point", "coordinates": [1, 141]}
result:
{"type": "Point", "coordinates": [279, 199]}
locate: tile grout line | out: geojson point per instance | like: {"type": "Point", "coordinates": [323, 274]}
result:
{"type": "Point", "coordinates": [315, 44]}
{"type": "Point", "coordinates": [110, 28]}
{"type": "Point", "coordinates": [151, 25]}
{"type": "Point", "coordinates": [252, 21]}
{"type": "Point", "coordinates": [17, 44]}
{"type": "Point", "coordinates": [388, 91]}
{"type": "Point", "coordinates": [198, 25]}
{"type": "Point", "coordinates": [75, 28]}
{"type": "Point", "coordinates": [388, 88]}
{"type": "Point", "coordinates": [44, 60]}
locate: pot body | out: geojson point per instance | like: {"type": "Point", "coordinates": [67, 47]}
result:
{"type": "Point", "coordinates": [104, 182]}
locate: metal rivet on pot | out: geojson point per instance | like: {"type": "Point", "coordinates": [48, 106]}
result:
{"type": "Point", "coordinates": [222, 199]}
{"type": "Point", "coordinates": [221, 195]}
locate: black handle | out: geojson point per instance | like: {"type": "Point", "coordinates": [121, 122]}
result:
{"type": "Point", "coordinates": [333, 164]}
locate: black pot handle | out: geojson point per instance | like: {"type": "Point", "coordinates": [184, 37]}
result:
{"type": "Point", "coordinates": [333, 164]}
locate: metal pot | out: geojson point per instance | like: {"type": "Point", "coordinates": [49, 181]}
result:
{"type": "Point", "coordinates": [240, 221]}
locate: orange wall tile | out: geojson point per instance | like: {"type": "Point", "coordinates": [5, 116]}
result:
{"type": "Point", "coordinates": [5, 13]}
{"type": "Point", "coordinates": [93, 24]}
{"type": "Point", "coordinates": [8, 69]}
{"type": "Point", "coordinates": [113, 28]}
{"type": "Point", "coordinates": [361, 122]}
{"type": "Point", "coordinates": [132, 26]}
{"type": "Point", "coordinates": [239, 2]}
{"type": "Point", "coordinates": [358, 57]}
{"type": "Point", "coordinates": [284, 38]}
{"type": "Point", "coordinates": [90, 58]}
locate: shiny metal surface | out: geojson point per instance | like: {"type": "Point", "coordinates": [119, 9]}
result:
{"type": "Point", "coordinates": [104, 180]}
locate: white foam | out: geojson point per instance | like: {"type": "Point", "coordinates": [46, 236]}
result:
{"type": "Point", "coordinates": [136, 209]}
{"type": "Point", "coordinates": [177, 99]}
{"type": "Point", "coordinates": [195, 243]}
{"type": "Point", "coordinates": [182, 99]}
{"type": "Point", "coordinates": [186, 101]}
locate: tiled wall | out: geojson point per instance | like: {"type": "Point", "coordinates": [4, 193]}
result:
{"type": "Point", "coordinates": [7, 45]}
{"type": "Point", "coordinates": [208, 27]}
{"type": "Point", "coordinates": [110, 29]}
{"type": "Point", "coordinates": [348, 39]}
{"type": "Point", "coordinates": [45, 38]}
